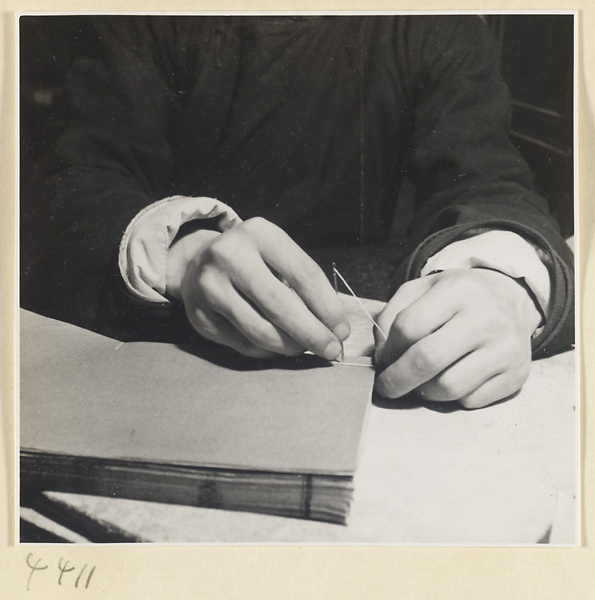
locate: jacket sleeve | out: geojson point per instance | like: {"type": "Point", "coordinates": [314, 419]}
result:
{"type": "Point", "coordinates": [113, 160]}
{"type": "Point", "coordinates": [467, 174]}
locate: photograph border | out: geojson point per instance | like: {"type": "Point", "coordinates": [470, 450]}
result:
{"type": "Point", "coordinates": [380, 577]}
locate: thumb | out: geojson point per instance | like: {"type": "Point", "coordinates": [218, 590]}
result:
{"type": "Point", "coordinates": [406, 295]}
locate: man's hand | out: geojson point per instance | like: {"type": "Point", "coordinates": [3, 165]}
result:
{"type": "Point", "coordinates": [462, 334]}
{"type": "Point", "coordinates": [231, 288]}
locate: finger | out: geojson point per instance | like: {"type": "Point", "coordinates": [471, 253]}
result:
{"type": "Point", "coordinates": [463, 377]}
{"type": "Point", "coordinates": [497, 388]}
{"type": "Point", "coordinates": [216, 328]}
{"type": "Point", "coordinates": [302, 273]}
{"type": "Point", "coordinates": [423, 316]}
{"type": "Point", "coordinates": [427, 358]}
{"type": "Point", "coordinates": [283, 307]}
{"type": "Point", "coordinates": [408, 293]}
{"type": "Point", "coordinates": [227, 302]}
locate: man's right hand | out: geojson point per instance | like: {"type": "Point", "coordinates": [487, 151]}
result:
{"type": "Point", "coordinates": [230, 284]}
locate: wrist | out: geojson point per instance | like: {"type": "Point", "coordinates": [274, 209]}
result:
{"type": "Point", "coordinates": [524, 300]}
{"type": "Point", "coordinates": [179, 255]}
{"type": "Point", "coordinates": [531, 307]}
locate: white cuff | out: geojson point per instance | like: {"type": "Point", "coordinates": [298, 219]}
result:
{"type": "Point", "coordinates": [502, 251]}
{"type": "Point", "coordinates": [143, 250]}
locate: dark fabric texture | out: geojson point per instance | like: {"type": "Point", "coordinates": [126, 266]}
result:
{"type": "Point", "coordinates": [311, 122]}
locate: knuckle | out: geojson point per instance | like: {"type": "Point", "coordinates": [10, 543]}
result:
{"type": "Point", "coordinates": [425, 358]}
{"type": "Point", "coordinates": [525, 371]}
{"type": "Point", "coordinates": [316, 341]}
{"type": "Point", "coordinates": [466, 285]}
{"type": "Point", "coordinates": [307, 271]}
{"type": "Point", "coordinates": [206, 283]}
{"type": "Point", "coordinates": [222, 249]}
{"type": "Point", "coordinates": [471, 403]}
{"type": "Point", "coordinates": [516, 363]}
{"type": "Point", "coordinates": [264, 336]}
{"type": "Point", "coordinates": [491, 325]}
{"type": "Point", "coordinates": [276, 307]}
{"type": "Point", "coordinates": [207, 293]}
{"type": "Point", "coordinates": [404, 328]}
{"type": "Point", "coordinates": [216, 302]}
{"type": "Point", "coordinates": [469, 279]}
{"type": "Point", "coordinates": [519, 377]}
{"type": "Point", "coordinates": [428, 392]}
{"type": "Point", "coordinates": [256, 225]}
{"type": "Point", "coordinates": [259, 337]}
{"type": "Point", "coordinates": [201, 323]}
{"type": "Point", "coordinates": [288, 348]}
{"type": "Point", "coordinates": [449, 386]}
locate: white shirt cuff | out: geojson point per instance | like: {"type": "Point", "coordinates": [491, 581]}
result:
{"type": "Point", "coordinates": [143, 250]}
{"type": "Point", "coordinates": [146, 241]}
{"type": "Point", "coordinates": [502, 251]}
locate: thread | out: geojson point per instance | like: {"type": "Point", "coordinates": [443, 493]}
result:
{"type": "Point", "coordinates": [336, 272]}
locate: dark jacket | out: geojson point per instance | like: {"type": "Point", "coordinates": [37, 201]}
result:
{"type": "Point", "coordinates": [312, 122]}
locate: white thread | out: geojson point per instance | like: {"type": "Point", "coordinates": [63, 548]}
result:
{"type": "Point", "coordinates": [350, 364]}
{"type": "Point", "coordinates": [360, 303]}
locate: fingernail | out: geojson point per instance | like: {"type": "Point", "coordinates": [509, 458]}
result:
{"type": "Point", "coordinates": [377, 354]}
{"type": "Point", "coordinates": [342, 331]}
{"type": "Point", "coordinates": [332, 350]}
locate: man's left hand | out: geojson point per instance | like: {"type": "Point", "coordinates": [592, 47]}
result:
{"type": "Point", "coordinates": [462, 334]}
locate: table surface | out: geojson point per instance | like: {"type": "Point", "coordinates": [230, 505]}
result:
{"type": "Point", "coordinates": [429, 473]}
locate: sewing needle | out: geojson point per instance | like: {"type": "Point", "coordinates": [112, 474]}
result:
{"type": "Point", "coordinates": [336, 283]}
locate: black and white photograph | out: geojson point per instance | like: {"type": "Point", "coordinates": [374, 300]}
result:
{"type": "Point", "coordinates": [297, 279]}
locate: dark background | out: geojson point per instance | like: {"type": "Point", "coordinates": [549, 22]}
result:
{"type": "Point", "coordinates": [537, 64]}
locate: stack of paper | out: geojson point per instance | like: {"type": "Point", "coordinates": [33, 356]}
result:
{"type": "Point", "coordinates": [187, 424]}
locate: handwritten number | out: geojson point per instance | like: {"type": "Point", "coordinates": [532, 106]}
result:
{"type": "Point", "coordinates": [76, 583]}
{"type": "Point", "coordinates": [63, 569]}
{"type": "Point", "coordinates": [33, 568]}
{"type": "Point", "coordinates": [89, 577]}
